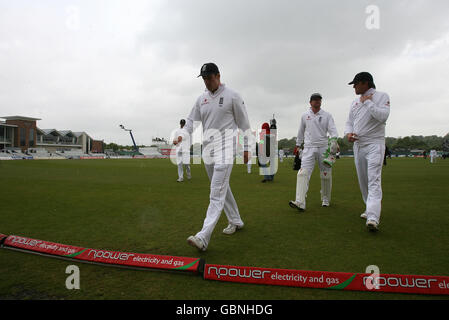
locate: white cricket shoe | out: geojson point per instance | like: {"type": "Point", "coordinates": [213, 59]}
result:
{"type": "Point", "coordinates": [297, 205]}
{"type": "Point", "coordinates": [363, 215]}
{"type": "Point", "coordinates": [180, 180]}
{"type": "Point", "coordinates": [325, 203]}
{"type": "Point", "coordinates": [230, 229]}
{"type": "Point", "coordinates": [189, 177]}
{"type": "Point", "coordinates": [372, 225]}
{"type": "Point", "coordinates": [196, 242]}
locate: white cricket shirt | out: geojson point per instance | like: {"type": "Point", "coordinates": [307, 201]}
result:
{"type": "Point", "coordinates": [314, 127]}
{"type": "Point", "coordinates": [221, 114]}
{"type": "Point", "coordinates": [184, 146]}
{"type": "Point", "coordinates": [367, 120]}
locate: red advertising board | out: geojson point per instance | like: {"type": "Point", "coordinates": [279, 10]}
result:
{"type": "Point", "coordinates": [330, 280]}
{"type": "Point", "coordinates": [417, 284]}
{"type": "Point", "coordinates": [139, 260]}
{"type": "Point", "coordinates": [2, 237]}
{"type": "Point", "coordinates": [167, 152]}
{"type": "Point", "coordinates": [92, 157]}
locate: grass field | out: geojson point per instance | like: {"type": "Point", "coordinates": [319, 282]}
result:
{"type": "Point", "coordinates": [137, 206]}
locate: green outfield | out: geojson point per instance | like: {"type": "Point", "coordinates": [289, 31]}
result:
{"type": "Point", "coordinates": [137, 206]}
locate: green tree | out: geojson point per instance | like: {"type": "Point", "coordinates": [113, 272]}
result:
{"type": "Point", "coordinates": [112, 146]}
{"type": "Point", "coordinates": [344, 144]}
{"type": "Point", "coordinates": [287, 143]}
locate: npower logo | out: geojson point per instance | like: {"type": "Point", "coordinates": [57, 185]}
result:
{"type": "Point", "coordinates": [237, 272]}
{"type": "Point", "coordinates": [394, 282]}
{"type": "Point", "coordinates": [24, 241]}
{"type": "Point", "coordinates": [111, 255]}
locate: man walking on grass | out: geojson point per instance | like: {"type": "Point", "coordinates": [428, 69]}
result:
{"type": "Point", "coordinates": [221, 111]}
{"type": "Point", "coordinates": [313, 132]}
{"type": "Point", "coordinates": [366, 128]}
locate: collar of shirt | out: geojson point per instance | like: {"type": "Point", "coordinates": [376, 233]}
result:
{"type": "Point", "coordinates": [218, 91]}
{"type": "Point", "coordinates": [370, 91]}
{"type": "Point", "coordinates": [319, 113]}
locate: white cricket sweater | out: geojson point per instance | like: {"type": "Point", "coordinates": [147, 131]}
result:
{"type": "Point", "coordinates": [367, 120]}
{"type": "Point", "coordinates": [221, 114]}
{"type": "Point", "coordinates": [314, 127]}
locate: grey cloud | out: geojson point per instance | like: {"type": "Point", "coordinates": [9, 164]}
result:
{"type": "Point", "coordinates": [275, 53]}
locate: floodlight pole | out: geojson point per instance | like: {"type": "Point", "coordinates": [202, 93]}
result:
{"type": "Point", "coordinates": [132, 137]}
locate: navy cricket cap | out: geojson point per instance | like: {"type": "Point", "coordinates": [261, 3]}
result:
{"type": "Point", "coordinates": [182, 122]}
{"type": "Point", "coordinates": [208, 69]}
{"type": "Point", "coordinates": [362, 77]}
{"type": "Point", "coordinates": [316, 96]}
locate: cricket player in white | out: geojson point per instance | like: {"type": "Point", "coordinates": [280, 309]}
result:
{"type": "Point", "coordinates": [221, 111]}
{"type": "Point", "coordinates": [433, 155]}
{"type": "Point", "coordinates": [366, 128]}
{"type": "Point", "coordinates": [281, 155]}
{"type": "Point", "coordinates": [314, 127]}
{"type": "Point", "coordinates": [248, 165]}
{"type": "Point", "coordinates": [183, 153]}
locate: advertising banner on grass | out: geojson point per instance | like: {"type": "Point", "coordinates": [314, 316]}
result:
{"type": "Point", "coordinates": [139, 260]}
{"type": "Point", "coordinates": [92, 157]}
{"type": "Point", "coordinates": [2, 237]}
{"type": "Point", "coordinates": [437, 285]}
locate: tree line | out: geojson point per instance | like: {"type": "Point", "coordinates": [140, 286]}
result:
{"type": "Point", "coordinates": [116, 147]}
{"type": "Point", "coordinates": [401, 144]}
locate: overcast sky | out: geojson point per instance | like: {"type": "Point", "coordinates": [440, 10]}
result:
{"type": "Point", "coordinates": [92, 65]}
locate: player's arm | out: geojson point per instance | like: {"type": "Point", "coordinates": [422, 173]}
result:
{"type": "Point", "coordinates": [192, 122]}
{"type": "Point", "coordinates": [332, 130]}
{"type": "Point", "coordinates": [349, 126]}
{"type": "Point", "coordinates": [178, 134]}
{"type": "Point", "coordinates": [381, 110]}
{"type": "Point", "coordinates": [240, 114]}
{"type": "Point", "coordinates": [300, 136]}
{"type": "Point", "coordinates": [242, 121]}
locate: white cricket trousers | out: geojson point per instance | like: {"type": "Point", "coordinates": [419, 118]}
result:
{"type": "Point", "coordinates": [368, 163]}
{"type": "Point", "coordinates": [181, 170]}
{"type": "Point", "coordinates": [309, 156]}
{"type": "Point", "coordinates": [312, 154]}
{"type": "Point", "coordinates": [183, 159]}
{"type": "Point", "coordinates": [221, 197]}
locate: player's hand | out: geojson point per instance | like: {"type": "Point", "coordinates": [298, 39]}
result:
{"type": "Point", "coordinates": [179, 140]}
{"type": "Point", "coordinates": [246, 155]}
{"type": "Point", "coordinates": [334, 147]}
{"type": "Point", "coordinates": [364, 98]}
{"type": "Point", "coordinates": [352, 137]}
